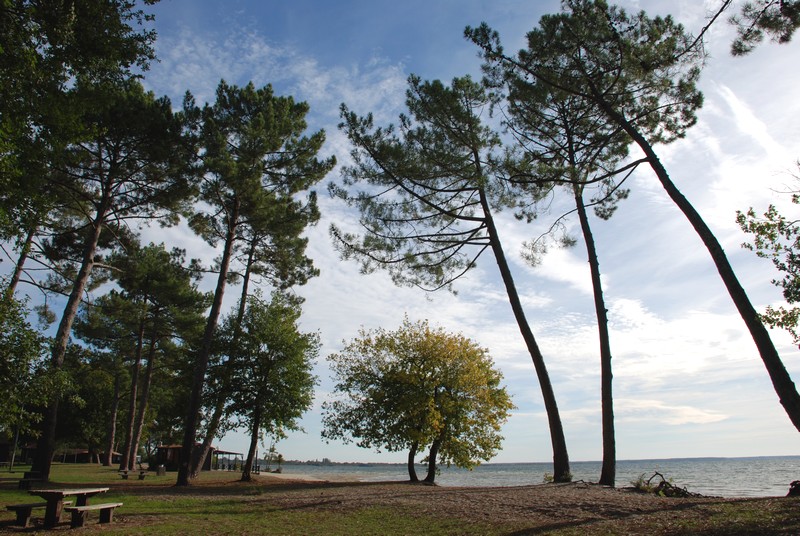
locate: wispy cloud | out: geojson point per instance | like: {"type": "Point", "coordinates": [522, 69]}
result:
{"type": "Point", "coordinates": [654, 411]}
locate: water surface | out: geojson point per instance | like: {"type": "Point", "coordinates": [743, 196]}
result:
{"type": "Point", "coordinates": [724, 477]}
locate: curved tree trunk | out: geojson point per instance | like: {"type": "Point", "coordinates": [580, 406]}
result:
{"type": "Point", "coordinates": [561, 472]}
{"type": "Point", "coordinates": [781, 381]}
{"type": "Point", "coordinates": [201, 364]}
{"type": "Point", "coordinates": [412, 471]}
{"type": "Point", "coordinates": [251, 452]}
{"type": "Point", "coordinates": [45, 447]}
{"type": "Point", "coordinates": [609, 468]}
{"type": "Point", "coordinates": [434, 452]}
{"type": "Point", "coordinates": [200, 456]}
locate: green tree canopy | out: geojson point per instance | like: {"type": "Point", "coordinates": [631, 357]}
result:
{"type": "Point", "coordinates": [418, 387]}
{"type": "Point", "coordinates": [24, 386]}
{"type": "Point", "coordinates": [257, 168]}
{"type": "Point", "coordinates": [272, 384]}
{"type": "Point", "coordinates": [776, 18]}
{"type": "Point", "coordinates": [45, 45]}
{"type": "Point", "coordinates": [777, 238]}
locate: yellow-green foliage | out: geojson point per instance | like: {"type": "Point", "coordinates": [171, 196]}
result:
{"type": "Point", "coordinates": [415, 386]}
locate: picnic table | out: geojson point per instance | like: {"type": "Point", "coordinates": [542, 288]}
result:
{"type": "Point", "coordinates": [55, 500]}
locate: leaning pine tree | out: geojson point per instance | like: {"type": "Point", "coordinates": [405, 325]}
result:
{"type": "Point", "coordinates": [256, 166]}
{"type": "Point", "coordinates": [566, 144]}
{"type": "Point", "coordinates": [430, 189]}
{"type": "Point", "coordinates": [642, 74]}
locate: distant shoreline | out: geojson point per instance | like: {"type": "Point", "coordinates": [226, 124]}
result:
{"type": "Point", "coordinates": [317, 463]}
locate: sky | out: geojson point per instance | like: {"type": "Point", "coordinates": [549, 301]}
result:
{"type": "Point", "coordinates": [688, 381]}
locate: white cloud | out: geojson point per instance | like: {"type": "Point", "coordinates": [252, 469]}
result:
{"type": "Point", "coordinates": [654, 411]}
{"type": "Point", "coordinates": [748, 123]}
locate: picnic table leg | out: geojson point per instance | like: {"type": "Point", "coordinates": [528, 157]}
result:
{"type": "Point", "coordinates": [106, 515]}
{"type": "Point", "coordinates": [52, 513]}
{"type": "Point", "coordinates": [24, 517]}
{"type": "Point", "coordinates": [78, 519]}
{"type": "Point", "coordinates": [82, 500]}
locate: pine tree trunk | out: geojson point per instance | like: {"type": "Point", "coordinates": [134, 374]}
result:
{"type": "Point", "coordinates": [45, 447]}
{"type": "Point", "coordinates": [126, 463]}
{"type": "Point", "coordinates": [144, 398]}
{"type": "Point", "coordinates": [201, 453]}
{"type": "Point", "coordinates": [201, 364]}
{"type": "Point", "coordinates": [561, 472]}
{"type": "Point", "coordinates": [609, 468]}
{"type": "Point", "coordinates": [108, 456]}
{"type": "Point", "coordinates": [23, 257]}
{"type": "Point", "coordinates": [781, 381]}
{"type": "Point", "coordinates": [213, 424]}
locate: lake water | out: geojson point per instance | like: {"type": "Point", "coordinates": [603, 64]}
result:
{"type": "Point", "coordinates": [724, 477]}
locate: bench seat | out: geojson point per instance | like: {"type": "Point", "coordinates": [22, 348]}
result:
{"type": "Point", "coordinates": [124, 475]}
{"type": "Point", "coordinates": [25, 511]}
{"type": "Point", "coordinates": [81, 513]}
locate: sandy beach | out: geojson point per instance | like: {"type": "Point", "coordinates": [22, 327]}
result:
{"type": "Point", "coordinates": [536, 509]}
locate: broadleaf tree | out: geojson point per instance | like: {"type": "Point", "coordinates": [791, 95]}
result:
{"type": "Point", "coordinates": [272, 384]}
{"type": "Point", "coordinates": [777, 238]}
{"type": "Point", "coordinates": [418, 387]}
{"type": "Point", "coordinates": [23, 353]}
{"type": "Point", "coordinates": [427, 191]}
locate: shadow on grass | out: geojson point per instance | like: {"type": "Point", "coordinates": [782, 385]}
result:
{"type": "Point", "coordinates": [725, 517]}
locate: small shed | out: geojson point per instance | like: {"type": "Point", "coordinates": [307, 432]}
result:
{"type": "Point", "coordinates": [170, 457]}
{"type": "Point", "coordinates": [225, 460]}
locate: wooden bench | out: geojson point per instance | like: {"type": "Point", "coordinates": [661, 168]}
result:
{"type": "Point", "coordinates": [124, 474]}
{"type": "Point", "coordinates": [24, 511]}
{"type": "Point", "coordinates": [81, 513]}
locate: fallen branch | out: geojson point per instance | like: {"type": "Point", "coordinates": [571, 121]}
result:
{"type": "Point", "coordinates": [666, 488]}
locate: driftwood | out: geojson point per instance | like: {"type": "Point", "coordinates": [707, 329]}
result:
{"type": "Point", "coordinates": [666, 488]}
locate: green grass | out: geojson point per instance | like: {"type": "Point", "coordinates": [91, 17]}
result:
{"type": "Point", "coordinates": [223, 506]}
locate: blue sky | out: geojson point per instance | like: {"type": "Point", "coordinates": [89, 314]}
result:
{"type": "Point", "coordinates": [688, 380]}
